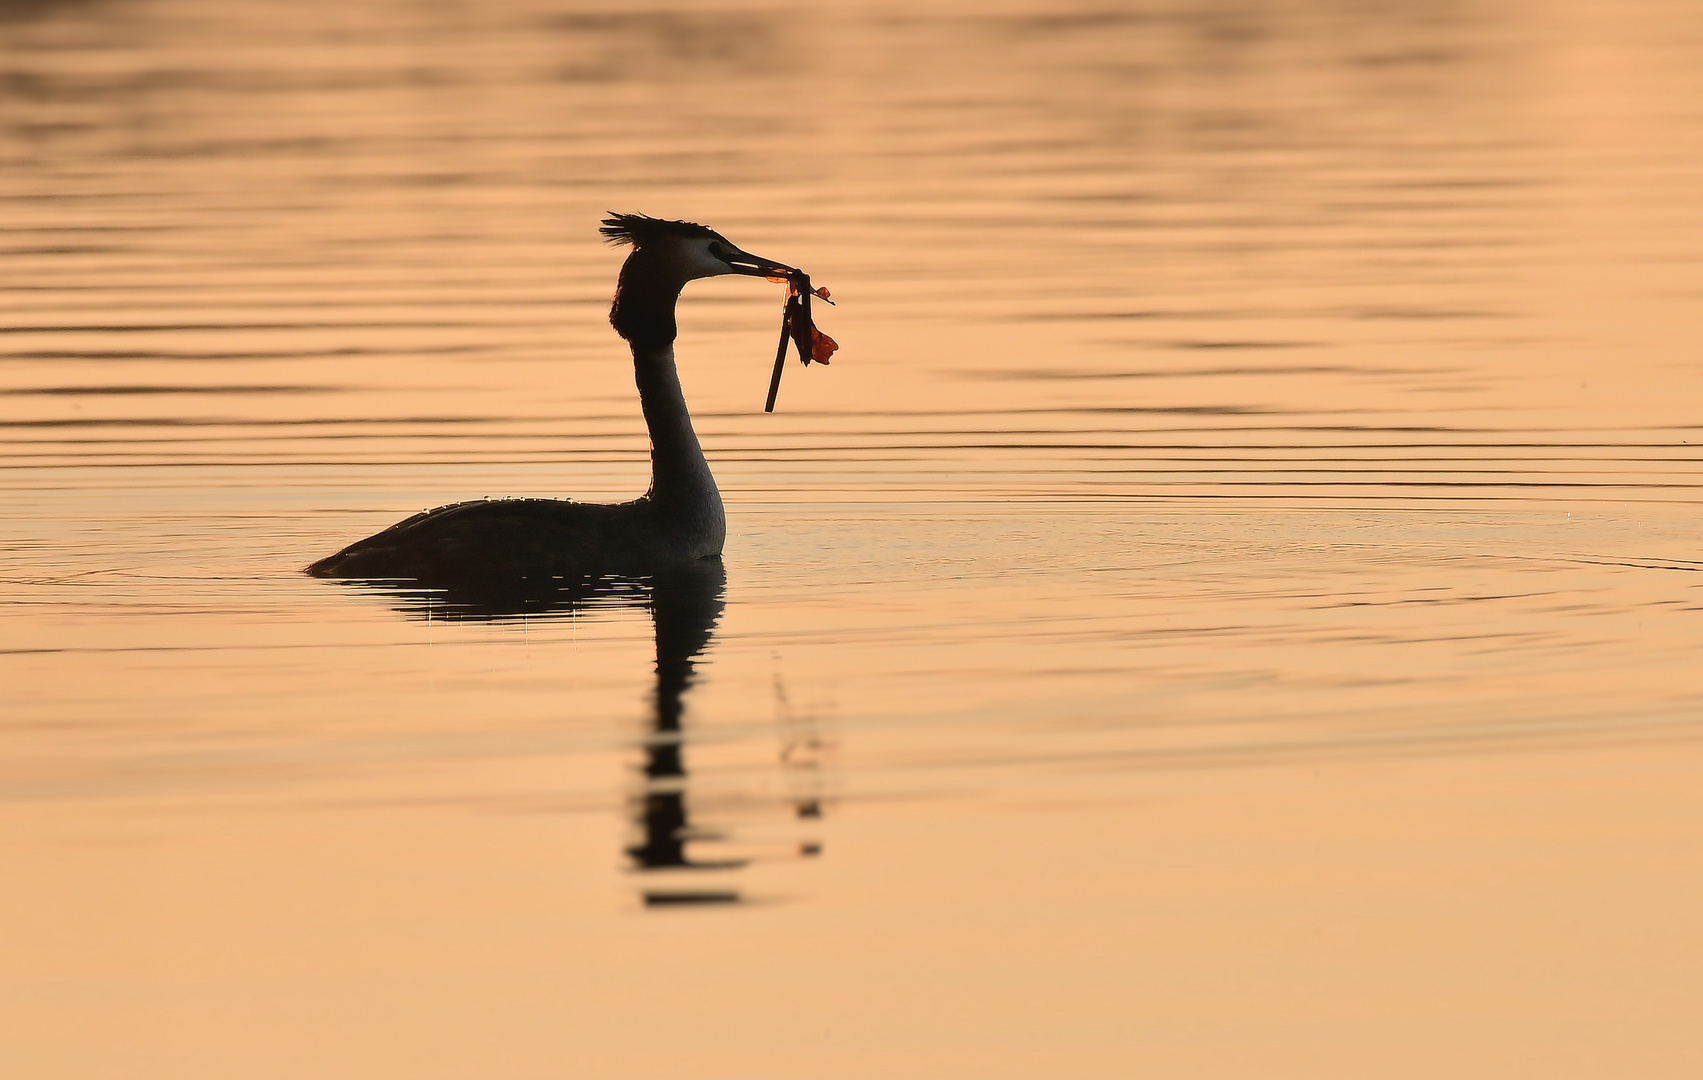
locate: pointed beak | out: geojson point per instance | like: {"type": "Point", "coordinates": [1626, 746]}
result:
{"type": "Point", "coordinates": [744, 262]}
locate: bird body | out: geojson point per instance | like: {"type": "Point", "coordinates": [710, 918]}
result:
{"type": "Point", "coordinates": [679, 521]}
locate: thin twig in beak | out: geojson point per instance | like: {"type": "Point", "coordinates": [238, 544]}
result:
{"type": "Point", "coordinates": [780, 363]}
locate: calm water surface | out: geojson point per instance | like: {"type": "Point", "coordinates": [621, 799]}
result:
{"type": "Point", "coordinates": [1231, 607]}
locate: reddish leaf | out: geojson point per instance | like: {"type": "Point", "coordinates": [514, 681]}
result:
{"type": "Point", "coordinates": [821, 346]}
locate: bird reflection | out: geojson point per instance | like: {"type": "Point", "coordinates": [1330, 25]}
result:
{"type": "Point", "coordinates": [685, 603]}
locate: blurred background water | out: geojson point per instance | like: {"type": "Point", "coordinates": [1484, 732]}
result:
{"type": "Point", "coordinates": [1230, 607]}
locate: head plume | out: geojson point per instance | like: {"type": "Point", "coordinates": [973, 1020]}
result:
{"type": "Point", "coordinates": [639, 230]}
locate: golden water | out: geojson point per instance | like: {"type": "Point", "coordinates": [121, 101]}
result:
{"type": "Point", "coordinates": [1231, 608]}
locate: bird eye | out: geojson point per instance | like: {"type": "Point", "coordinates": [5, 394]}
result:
{"type": "Point", "coordinates": [715, 249]}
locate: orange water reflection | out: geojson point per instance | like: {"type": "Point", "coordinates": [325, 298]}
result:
{"type": "Point", "coordinates": [1230, 607]}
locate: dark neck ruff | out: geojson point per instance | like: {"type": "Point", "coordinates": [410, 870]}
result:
{"type": "Point", "coordinates": [643, 311]}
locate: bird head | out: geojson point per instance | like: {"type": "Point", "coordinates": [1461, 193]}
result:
{"type": "Point", "coordinates": [682, 251]}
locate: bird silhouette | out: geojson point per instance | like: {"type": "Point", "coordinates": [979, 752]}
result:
{"type": "Point", "coordinates": [677, 522]}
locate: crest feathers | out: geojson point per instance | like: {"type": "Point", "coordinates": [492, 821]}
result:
{"type": "Point", "coordinates": [639, 230]}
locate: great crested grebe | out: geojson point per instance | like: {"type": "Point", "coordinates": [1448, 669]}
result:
{"type": "Point", "coordinates": [677, 522]}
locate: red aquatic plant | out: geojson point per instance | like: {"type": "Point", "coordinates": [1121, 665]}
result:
{"type": "Point", "coordinates": [798, 327]}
